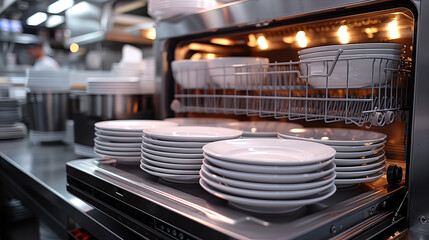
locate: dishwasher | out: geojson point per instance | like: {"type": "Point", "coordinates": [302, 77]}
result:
{"type": "Point", "coordinates": [366, 92]}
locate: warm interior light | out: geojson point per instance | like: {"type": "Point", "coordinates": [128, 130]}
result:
{"type": "Point", "coordinates": [60, 6]}
{"type": "Point", "coordinates": [253, 129]}
{"type": "Point", "coordinates": [288, 40]}
{"type": "Point", "coordinates": [210, 56]}
{"type": "Point", "coordinates": [252, 41]}
{"type": "Point", "coordinates": [54, 20]}
{"type": "Point", "coordinates": [324, 138]}
{"type": "Point", "coordinates": [393, 29]}
{"type": "Point", "coordinates": [343, 35]}
{"type": "Point", "coordinates": [74, 47]}
{"type": "Point", "coordinates": [37, 18]}
{"type": "Point", "coordinates": [297, 130]}
{"type": "Point", "coordinates": [151, 33]}
{"type": "Point", "coordinates": [262, 43]}
{"type": "Point", "coordinates": [222, 41]}
{"type": "Point", "coordinates": [370, 31]}
{"type": "Point", "coordinates": [301, 39]}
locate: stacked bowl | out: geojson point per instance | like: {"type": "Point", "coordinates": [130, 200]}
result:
{"type": "Point", "coordinates": [359, 154]}
{"type": "Point", "coordinates": [9, 116]}
{"type": "Point", "coordinates": [121, 139]}
{"type": "Point", "coordinates": [164, 9]}
{"type": "Point", "coordinates": [268, 175]}
{"type": "Point", "coordinates": [359, 65]}
{"type": "Point", "coordinates": [175, 153]}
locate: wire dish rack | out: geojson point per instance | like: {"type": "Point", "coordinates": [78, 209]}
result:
{"type": "Point", "coordinates": [359, 90]}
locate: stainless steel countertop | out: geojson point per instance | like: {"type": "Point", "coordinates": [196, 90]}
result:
{"type": "Point", "coordinates": [36, 173]}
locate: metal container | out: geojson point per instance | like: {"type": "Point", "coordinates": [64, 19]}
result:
{"type": "Point", "coordinates": [47, 112]}
{"type": "Point", "coordinates": [95, 108]}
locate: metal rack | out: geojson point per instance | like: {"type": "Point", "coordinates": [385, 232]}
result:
{"type": "Point", "coordinates": [284, 90]}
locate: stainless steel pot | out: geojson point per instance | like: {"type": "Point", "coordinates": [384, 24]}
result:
{"type": "Point", "coordinates": [47, 112]}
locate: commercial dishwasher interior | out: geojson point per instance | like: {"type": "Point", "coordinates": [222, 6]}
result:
{"type": "Point", "coordinates": [149, 206]}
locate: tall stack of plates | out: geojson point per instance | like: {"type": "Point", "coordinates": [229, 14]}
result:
{"type": "Point", "coordinates": [114, 85]}
{"type": "Point", "coordinates": [48, 81]}
{"type": "Point", "coordinates": [121, 139]}
{"type": "Point", "coordinates": [9, 117]}
{"type": "Point", "coordinates": [268, 175]}
{"type": "Point", "coordinates": [164, 9]}
{"type": "Point", "coordinates": [147, 81]}
{"type": "Point", "coordinates": [359, 157]}
{"type": "Point", "coordinates": [252, 129]}
{"type": "Point", "coordinates": [175, 153]}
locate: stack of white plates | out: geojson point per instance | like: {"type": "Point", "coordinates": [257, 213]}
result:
{"type": "Point", "coordinates": [164, 9]}
{"type": "Point", "coordinates": [9, 111]}
{"type": "Point", "coordinates": [261, 128]}
{"type": "Point", "coordinates": [39, 136]}
{"type": "Point", "coordinates": [268, 175]}
{"type": "Point", "coordinates": [114, 85]}
{"type": "Point", "coordinates": [147, 81]}
{"type": "Point", "coordinates": [359, 157]}
{"type": "Point", "coordinates": [205, 121]}
{"type": "Point", "coordinates": [122, 139]}
{"type": "Point", "coordinates": [48, 81]}
{"type": "Point", "coordinates": [128, 69]}
{"type": "Point", "coordinates": [11, 131]}
{"type": "Point", "coordinates": [175, 153]}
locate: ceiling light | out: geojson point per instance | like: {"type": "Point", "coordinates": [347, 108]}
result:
{"type": "Point", "coordinates": [60, 6]}
{"type": "Point", "coordinates": [37, 18]}
{"type": "Point", "coordinates": [74, 47]}
{"type": "Point", "coordinates": [54, 20]}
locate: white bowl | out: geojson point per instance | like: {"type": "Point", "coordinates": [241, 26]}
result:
{"type": "Point", "coordinates": [191, 74]}
{"type": "Point", "coordinates": [351, 46]}
{"type": "Point", "coordinates": [349, 52]}
{"type": "Point", "coordinates": [360, 70]}
{"type": "Point", "coordinates": [225, 72]}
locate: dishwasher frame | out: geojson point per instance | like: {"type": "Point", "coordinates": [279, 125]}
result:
{"type": "Point", "coordinates": [257, 13]}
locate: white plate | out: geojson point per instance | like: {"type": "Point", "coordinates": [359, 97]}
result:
{"type": "Point", "coordinates": [269, 151]}
{"type": "Point", "coordinates": [360, 167]}
{"type": "Point", "coordinates": [169, 171]}
{"type": "Point", "coordinates": [172, 149]}
{"type": "Point", "coordinates": [193, 133]}
{"type": "Point", "coordinates": [119, 139]}
{"type": "Point", "coordinates": [267, 186]}
{"type": "Point", "coordinates": [173, 155]}
{"type": "Point", "coordinates": [270, 178]}
{"type": "Point", "coordinates": [267, 206]}
{"type": "Point", "coordinates": [119, 134]}
{"type": "Point", "coordinates": [121, 154]}
{"type": "Point", "coordinates": [351, 181]}
{"type": "Point", "coordinates": [174, 143]}
{"type": "Point", "coordinates": [119, 158]}
{"type": "Point", "coordinates": [358, 154]}
{"type": "Point", "coordinates": [171, 160]}
{"type": "Point", "coordinates": [357, 148]}
{"type": "Point", "coordinates": [334, 136]}
{"type": "Point", "coordinates": [131, 125]}
{"type": "Point", "coordinates": [116, 149]}
{"type": "Point", "coordinates": [265, 194]}
{"type": "Point", "coordinates": [173, 177]}
{"type": "Point", "coordinates": [342, 175]}
{"type": "Point", "coordinates": [359, 161]}
{"type": "Point", "coordinates": [183, 166]}
{"type": "Point", "coordinates": [253, 168]}
{"type": "Point", "coordinates": [261, 128]}
{"type": "Point", "coordinates": [200, 121]}
{"type": "Point", "coordinates": [117, 145]}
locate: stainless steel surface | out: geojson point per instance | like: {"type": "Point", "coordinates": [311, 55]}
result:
{"type": "Point", "coordinates": [37, 175]}
{"type": "Point", "coordinates": [47, 112]}
{"type": "Point", "coordinates": [250, 12]}
{"type": "Point", "coordinates": [190, 209]}
{"type": "Point", "coordinates": [418, 207]}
